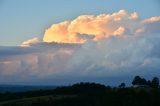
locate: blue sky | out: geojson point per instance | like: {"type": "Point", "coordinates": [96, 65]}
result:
{"type": "Point", "coordinates": [23, 19]}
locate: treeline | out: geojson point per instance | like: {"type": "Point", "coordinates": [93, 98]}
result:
{"type": "Point", "coordinates": [75, 89]}
{"type": "Point", "coordinates": [142, 93]}
{"type": "Point", "coordinates": [154, 83]}
{"type": "Point", "coordinates": [142, 82]}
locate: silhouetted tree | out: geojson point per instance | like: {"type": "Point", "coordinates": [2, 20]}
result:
{"type": "Point", "coordinates": [139, 81]}
{"type": "Point", "coordinates": [136, 80]}
{"type": "Point", "coordinates": [143, 82]}
{"type": "Point", "coordinates": [122, 85]}
{"type": "Point", "coordinates": [155, 82]}
{"type": "Point", "coordinates": [149, 83]}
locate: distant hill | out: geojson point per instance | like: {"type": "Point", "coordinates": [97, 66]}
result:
{"type": "Point", "coordinates": [23, 88]}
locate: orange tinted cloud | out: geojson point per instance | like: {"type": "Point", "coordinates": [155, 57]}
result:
{"type": "Point", "coordinates": [152, 19]}
{"type": "Point", "coordinates": [100, 26]}
{"type": "Point", "coordinates": [30, 41]}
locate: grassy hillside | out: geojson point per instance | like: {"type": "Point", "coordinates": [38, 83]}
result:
{"type": "Point", "coordinates": [32, 101]}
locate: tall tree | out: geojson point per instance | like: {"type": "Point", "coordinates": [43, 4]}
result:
{"type": "Point", "coordinates": [149, 83]}
{"type": "Point", "coordinates": [155, 82]}
{"type": "Point", "coordinates": [139, 81]}
{"type": "Point", "coordinates": [122, 85]}
{"type": "Point", "coordinates": [136, 80]}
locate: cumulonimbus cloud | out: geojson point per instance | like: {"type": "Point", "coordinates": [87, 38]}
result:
{"type": "Point", "coordinates": [106, 45]}
{"type": "Point", "coordinates": [100, 27]}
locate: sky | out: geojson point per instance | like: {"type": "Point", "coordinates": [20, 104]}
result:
{"type": "Point", "coordinates": [23, 19]}
{"type": "Point", "coordinates": [58, 42]}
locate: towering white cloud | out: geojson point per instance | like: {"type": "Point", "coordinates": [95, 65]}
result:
{"type": "Point", "coordinates": [106, 45]}
{"type": "Point", "coordinates": [100, 26]}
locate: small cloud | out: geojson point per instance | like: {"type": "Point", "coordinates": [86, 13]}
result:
{"type": "Point", "coordinates": [140, 30]}
{"type": "Point", "coordinates": [31, 41]}
{"type": "Point", "coordinates": [119, 31]}
{"type": "Point", "coordinates": [152, 20]}
{"type": "Point", "coordinates": [133, 16]}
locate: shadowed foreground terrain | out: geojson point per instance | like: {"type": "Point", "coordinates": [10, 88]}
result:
{"type": "Point", "coordinates": [143, 93]}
